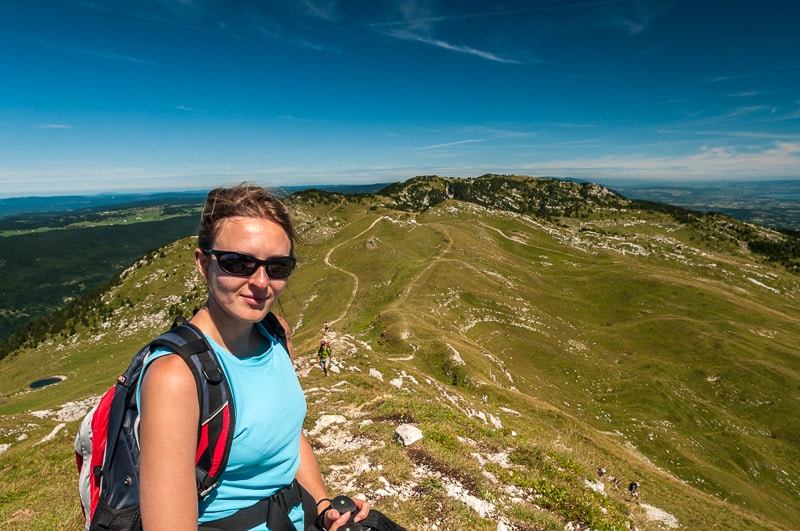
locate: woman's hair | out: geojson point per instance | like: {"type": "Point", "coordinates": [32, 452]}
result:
{"type": "Point", "coordinates": [242, 200]}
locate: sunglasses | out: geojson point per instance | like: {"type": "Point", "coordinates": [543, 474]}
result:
{"type": "Point", "coordinates": [244, 265]}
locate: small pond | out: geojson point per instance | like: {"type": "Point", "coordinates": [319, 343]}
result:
{"type": "Point", "coordinates": [44, 382]}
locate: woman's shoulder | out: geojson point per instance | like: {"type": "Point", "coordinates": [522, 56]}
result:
{"type": "Point", "coordinates": [167, 390]}
{"type": "Point", "coordinates": [168, 372]}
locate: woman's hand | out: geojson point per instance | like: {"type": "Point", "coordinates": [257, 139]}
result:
{"type": "Point", "coordinates": [334, 519]}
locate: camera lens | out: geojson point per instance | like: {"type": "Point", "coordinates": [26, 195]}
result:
{"type": "Point", "coordinates": [344, 504]}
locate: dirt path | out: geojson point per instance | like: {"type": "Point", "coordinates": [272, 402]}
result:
{"type": "Point", "coordinates": [352, 275]}
{"type": "Point", "coordinates": [413, 280]}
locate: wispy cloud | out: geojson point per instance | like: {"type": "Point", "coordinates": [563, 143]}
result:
{"type": "Point", "coordinates": [789, 137]}
{"type": "Point", "coordinates": [501, 136]}
{"type": "Point", "coordinates": [777, 160]}
{"type": "Point", "coordinates": [89, 52]}
{"type": "Point", "coordinates": [417, 16]}
{"type": "Point", "coordinates": [190, 110]}
{"type": "Point", "coordinates": [419, 22]}
{"type": "Point", "coordinates": [634, 18]}
{"type": "Point", "coordinates": [286, 22]}
{"type": "Point", "coordinates": [452, 47]}
{"type": "Point", "coordinates": [451, 144]}
{"type": "Point", "coordinates": [752, 113]}
{"type": "Point", "coordinates": [55, 126]}
{"type": "Point", "coordinates": [325, 10]}
{"type": "Point", "coordinates": [754, 73]}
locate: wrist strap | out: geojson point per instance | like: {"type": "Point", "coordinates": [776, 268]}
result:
{"type": "Point", "coordinates": [320, 521]}
{"type": "Point", "coordinates": [323, 500]}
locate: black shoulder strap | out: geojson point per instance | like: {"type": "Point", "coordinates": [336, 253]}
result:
{"type": "Point", "coordinates": [217, 419]}
{"type": "Point", "coordinates": [275, 328]}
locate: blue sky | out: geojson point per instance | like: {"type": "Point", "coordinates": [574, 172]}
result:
{"type": "Point", "coordinates": [113, 96]}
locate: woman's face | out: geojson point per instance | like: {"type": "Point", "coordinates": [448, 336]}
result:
{"type": "Point", "coordinates": [245, 298]}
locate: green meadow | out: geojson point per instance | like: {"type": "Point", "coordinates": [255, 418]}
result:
{"type": "Point", "coordinates": [533, 330]}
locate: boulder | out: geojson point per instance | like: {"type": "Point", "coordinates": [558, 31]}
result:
{"type": "Point", "coordinates": [407, 434]}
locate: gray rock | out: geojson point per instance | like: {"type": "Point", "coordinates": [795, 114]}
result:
{"type": "Point", "coordinates": [407, 434]}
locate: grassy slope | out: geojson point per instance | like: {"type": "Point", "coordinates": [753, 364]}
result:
{"type": "Point", "coordinates": [674, 368]}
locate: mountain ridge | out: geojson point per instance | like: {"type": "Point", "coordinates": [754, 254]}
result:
{"type": "Point", "coordinates": [548, 346]}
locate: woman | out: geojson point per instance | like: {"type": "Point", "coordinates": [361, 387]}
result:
{"type": "Point", "coordinates": [245, 254]}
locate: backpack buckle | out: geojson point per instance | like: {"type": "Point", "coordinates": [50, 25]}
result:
{"type": "Point", "coordinates": [212, 373]}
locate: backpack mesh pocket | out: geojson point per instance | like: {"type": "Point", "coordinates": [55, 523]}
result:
{"type": "Point", "coordinates": [108, 519]}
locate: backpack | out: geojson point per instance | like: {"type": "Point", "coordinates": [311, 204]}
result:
{"type": "Point", "coordinates": [107, 446]}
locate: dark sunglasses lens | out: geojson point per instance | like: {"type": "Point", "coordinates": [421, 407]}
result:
{"type": "Point", "coordinates": [243, 265]}
{"type": "Point", "coordinates": [280, 267]}
{"type": "Point", "coordinates": [237, 264]}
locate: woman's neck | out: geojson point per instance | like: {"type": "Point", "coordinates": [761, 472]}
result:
{"type": "Point", "coordinates": [240, 338]}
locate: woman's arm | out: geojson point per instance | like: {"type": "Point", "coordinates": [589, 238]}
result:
{"type": "Point", "coordinates": [308, 475]}
{"type": "Point", "coordinates": [170, 414]}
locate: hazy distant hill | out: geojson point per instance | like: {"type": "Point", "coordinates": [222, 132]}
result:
{"type": "Point", "coordinates": [38, 205]}
{"type": "Point", "coordinates": [43, 268]}
{"type": "Point", "coordinates": [532, 340]}
{"type": "Point", "coordinates": [774, 204]}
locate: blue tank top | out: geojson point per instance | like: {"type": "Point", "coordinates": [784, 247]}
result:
{"type": "Point", "coordinates": [270, 409]}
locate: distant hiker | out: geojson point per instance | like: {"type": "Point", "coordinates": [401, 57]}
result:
{"type": "Point", "coordinates": [601, 472]}
{"type": "Point", "coordinates": [245, 253]}
{"type": "Point", "coordinates": [324, 355]}
{"type": "Point", "coordinates": [634, 489]}
{"type": "Point", "coordinates": [326, 326]}
{"type": "Point", "coordinates": [617, 482]}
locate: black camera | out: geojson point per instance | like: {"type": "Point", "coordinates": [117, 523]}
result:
{"type": "Point", "coordinates": [375, 520]}
{"type": "Point", "coordinates": [345, 504]}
